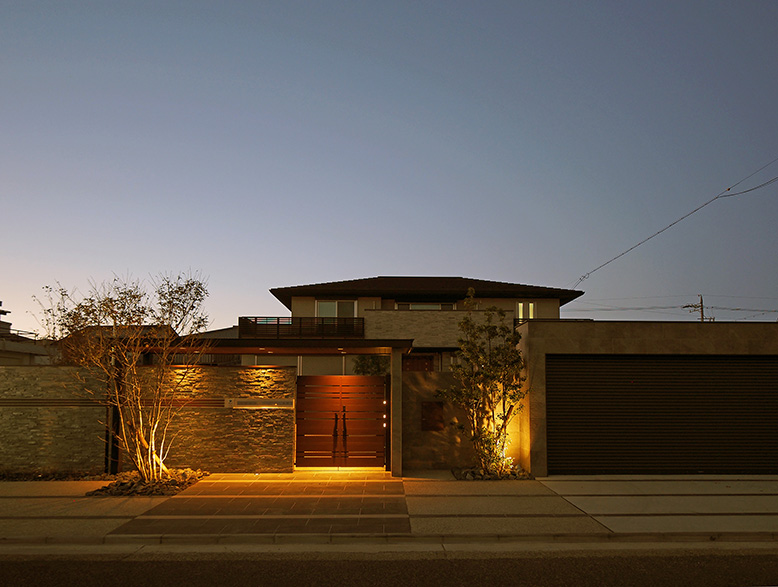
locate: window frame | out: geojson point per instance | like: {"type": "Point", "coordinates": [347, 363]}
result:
{"type": "Point", "coordinates": [337, 302]}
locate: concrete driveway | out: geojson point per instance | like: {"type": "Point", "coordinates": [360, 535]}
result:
{"type": "Point", "coordinates": [674, 504]}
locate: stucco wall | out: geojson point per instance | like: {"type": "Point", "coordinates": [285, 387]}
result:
{"type": "Point", "coordinates": [425, 449]}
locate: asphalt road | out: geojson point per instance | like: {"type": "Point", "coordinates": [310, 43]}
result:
{"type": "Point", "coordinates": [552, 569]}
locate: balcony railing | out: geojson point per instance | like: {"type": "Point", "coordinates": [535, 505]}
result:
{"type": "Point", "coordinates": [273, 327]}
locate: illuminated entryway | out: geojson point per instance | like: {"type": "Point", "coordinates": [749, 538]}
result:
{"type": "Point", "coordinates": [342, 421]}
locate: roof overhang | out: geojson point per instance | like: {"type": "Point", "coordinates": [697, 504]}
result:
{"type": "Point", "coordinates": [345, 346]}
{"type": "Point", "coordinates": [422, 289]}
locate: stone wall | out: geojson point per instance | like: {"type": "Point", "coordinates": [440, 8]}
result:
{"type": "Point", "coordinates": [48, 424]}
{"type": "Point", "coordinates": [432, 449]}
{"type": "Point", "coordinates": [236, 440]}
{"type": "Point", "coordinates": [426, 328]}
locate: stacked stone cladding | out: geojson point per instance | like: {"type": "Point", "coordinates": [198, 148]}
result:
{"type": "Point", "coordinates": [427, 328]}
{"type": "Point", "coordinates": [235, 440]}
{"type": "Point", "coordinates": [50, 424]}
{"type": "Point", "coordinates": [61, 431]}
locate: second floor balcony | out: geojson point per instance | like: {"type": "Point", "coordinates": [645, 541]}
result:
{"type": "Point", "coordinates": [288, 327]}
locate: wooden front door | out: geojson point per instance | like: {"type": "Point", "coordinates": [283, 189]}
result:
{"type": "Point", "coordinates": [342, 421]}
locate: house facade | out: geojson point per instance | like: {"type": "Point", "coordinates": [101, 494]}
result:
{"type": "Point", "coordinates": [349, 379]}
{"type": "Point", "coordinates": [603, 397]}
{"type": "Point", "coordinates": [410, 325]}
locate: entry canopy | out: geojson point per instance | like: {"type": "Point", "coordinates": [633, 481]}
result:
{"type": "Point", "coordinates": [348, 346]}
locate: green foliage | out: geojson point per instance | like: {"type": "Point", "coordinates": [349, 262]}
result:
{"type": "Point", "coordinates": [140, 346]}
{"type": "Point", "coordinates": [489, 369]}
{"type": "Point", "coordinates": [371, 365]}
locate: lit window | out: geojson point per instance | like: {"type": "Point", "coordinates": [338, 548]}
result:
{"type": "Point", "coordinates": [525, 310]}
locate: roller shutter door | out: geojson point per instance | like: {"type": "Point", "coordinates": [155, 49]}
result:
{"type": "Point", "coordinates": [645, 414]}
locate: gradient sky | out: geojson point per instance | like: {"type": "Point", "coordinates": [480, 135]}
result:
{"type": "Point", "coordinates": [278, 143]}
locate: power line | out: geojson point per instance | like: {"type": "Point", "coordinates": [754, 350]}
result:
{"type": "Point", "coordinates": [759, 312]}
{"type": "Point", "coordinates": [636, 308]}
{"type": "Point", "coordinates": [627, 309]}
{"type": "Point", "coordinates": [723, 194]}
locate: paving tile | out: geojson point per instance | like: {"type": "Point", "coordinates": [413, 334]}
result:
{"type": "Point", "coordinates": [48, 488]}
{"type": "Point", "coordinates": [528, 487]}
{"type": "Point", "coordinates": [506, 526]}
{"type": "Point", "coordinates": [660, 487]}
{"type": "Point", "coordinates": [676, 504]}
{"type": "Point", "coordinates": [77, 506]}
{"type": "Point", "coordinates": [397, 526]}
{"type": "Point", "coordinates": [58, 527]}
{"type": "Point", "coordinates": [695, 523]}
{"type": "Point", "coordinates": [490, 505]}
{"type": "Point", "coordinates": [154, 526]}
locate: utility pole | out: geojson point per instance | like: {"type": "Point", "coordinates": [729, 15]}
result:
{"type": "Point", "coordinates": [700, 307]}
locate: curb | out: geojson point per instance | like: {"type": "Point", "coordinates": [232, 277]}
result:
{"type": "Point", "coordinates": [342, 539]}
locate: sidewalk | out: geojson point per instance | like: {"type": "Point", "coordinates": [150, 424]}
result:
{"type": "Point", "coordinates": [422, 510]}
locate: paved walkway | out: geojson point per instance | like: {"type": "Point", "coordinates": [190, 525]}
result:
{"type": "Point", "coordinates": [270, 505]}
{"type": "Point", "coordinates": [360, 507]}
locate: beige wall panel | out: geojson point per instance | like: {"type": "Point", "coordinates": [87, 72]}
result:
{"type": "Point", "coordinates": [303, 307]}
{"type": "Point", "coordinates": [325, 365]}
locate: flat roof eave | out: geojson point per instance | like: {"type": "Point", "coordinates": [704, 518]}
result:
{"type": "Point", "coordinates": [348, 346]}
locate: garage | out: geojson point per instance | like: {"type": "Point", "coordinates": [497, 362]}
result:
{"type": "Point", "coordinates": [661, 414]}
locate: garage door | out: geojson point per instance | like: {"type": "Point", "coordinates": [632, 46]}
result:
{"type": "Point", "coordinates": [342, 421]}
{"type": "Point", "coordinates": [647, 414]}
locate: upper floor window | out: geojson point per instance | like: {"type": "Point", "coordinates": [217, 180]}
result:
{"type": "Point", "coordinates": [424, 306]}
{"type": "Point", "coordinates": [336, 308]}
{"type": "Point", "coordinates": [525, 310]}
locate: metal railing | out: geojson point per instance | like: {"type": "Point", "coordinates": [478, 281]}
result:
{"type": "Point", "coordinates": [288, 327]}
{"type": "Point", "coordinates": [14, 334]}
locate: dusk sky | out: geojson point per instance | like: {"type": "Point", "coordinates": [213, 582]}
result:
{"type": "Point", "coordinates": [269, 144]}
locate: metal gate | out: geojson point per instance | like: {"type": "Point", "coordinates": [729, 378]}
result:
{"type": "Point", "coordinates": [342, 421]}
{"type": "Point", "coordinates": [662, 414]}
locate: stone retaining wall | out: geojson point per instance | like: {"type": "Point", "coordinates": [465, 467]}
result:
{"type": "Point", "coordinates": [49, 424]}
{"type": "Point", "coordinates": [229, 440]}
{"type": "Point", "coordinates": [60, 431]}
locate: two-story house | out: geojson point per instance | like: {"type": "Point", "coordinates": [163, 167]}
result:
{"type": "Point", "coordinates": [395, 421]}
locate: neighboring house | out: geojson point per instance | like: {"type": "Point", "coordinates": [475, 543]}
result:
{"type": "Point", "coordinates": [18, 347]}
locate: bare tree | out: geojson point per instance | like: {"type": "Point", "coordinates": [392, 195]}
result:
{"type": "Point", "coordinates": [135, 349]}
